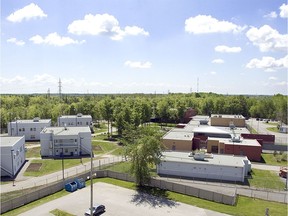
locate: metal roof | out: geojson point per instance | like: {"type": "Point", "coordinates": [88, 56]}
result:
{"type": "Point", "coordinates": [66, 130]}
{"type": "Point", "coordinates": [9, 140]}
{"type": "Point", "coordinates": [220, 160]}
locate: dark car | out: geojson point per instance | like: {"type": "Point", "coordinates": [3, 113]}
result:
{"type": "Point", "coordinates": [97, 209]}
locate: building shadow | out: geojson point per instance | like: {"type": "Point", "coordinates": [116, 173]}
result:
{"type": "Point", "coordinates": [154, 197]}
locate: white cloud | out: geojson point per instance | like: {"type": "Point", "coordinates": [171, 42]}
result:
{"type": "Point", "coordinates": [268, 39]}
{"type": "Point", "coordinates": [218, 61]}
{"type": "Point", "coordinates": [268, 63]}
{"type": "Point", "coordinates": [271, 15]}
{"type": "Point", "coordinates": [16, 42]}
{"type": "Point", "coordinates": [26, 13]}
{"type": "Point", "coordinates": [226, 49]}
{"type": "Point", "coordinates": [54, 39]}
{"type": "Point", "coordinates": [284, 11]}
{"type": "Point", "coordinates": [104, 24]}
{"type": "Point", "coordinates": [213, 73]}
{"type": "Point", "coordinates": [202, 24]}
{"type": "Point", "coordinates": [272, 78]}
{"type": "Point", "coordinates": [138, 64]}
{"type": "Point", "coordinates": [283, 83]}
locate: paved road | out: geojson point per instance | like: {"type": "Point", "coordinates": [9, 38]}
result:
{"type": "Point", "coordinates": [261, 128]}
{"type": "Point", "coordinates": [119, 201]}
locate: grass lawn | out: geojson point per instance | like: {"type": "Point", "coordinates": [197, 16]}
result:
{"type": "Point", "coordinates": [272, 160]}
{"type": "Point", "coordinates": [33, 152]}
{"type": "Point", "coordinates": [59, 212]}
{"type": "Point", "coordinates": [50, 166]}
{"type": "Point", "coordinates": [245, 206]}
{"type": "Point", "coordinates": [266, 179]}
{"type": "Point", "coordinates": [273, 129]}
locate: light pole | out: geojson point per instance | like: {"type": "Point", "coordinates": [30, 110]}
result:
{"type": "Point", "coordinates": [91, 178]}
{"type": "Point", "coordinates": [12, 160]}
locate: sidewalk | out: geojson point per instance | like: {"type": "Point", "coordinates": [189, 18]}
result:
{"type": "Point", "coordinates": [22, 182]}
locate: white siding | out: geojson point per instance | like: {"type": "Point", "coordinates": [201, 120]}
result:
{"type": "Point", "coordinates": [12, 156]}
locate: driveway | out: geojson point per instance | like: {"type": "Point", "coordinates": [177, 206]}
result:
{"type": "Point", "coordinates": [119, 201]}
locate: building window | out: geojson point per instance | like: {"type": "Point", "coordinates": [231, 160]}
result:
{"type": "Point", "coordinates": [66, 150]}
{"type": "Point", "coordinates": [21, 149]}
{"type": "Point", "coordinates": [19, 129]}
{"type": "Point", "coordinates": [23, 129]}
{"type": "Point", "coordinates": [31, 129]}
{"type": "Point", "coordinates": [34, 129]}
{"type": "Point", "coordinates": [87, 123]}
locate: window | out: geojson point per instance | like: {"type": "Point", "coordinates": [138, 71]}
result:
{"type": "Point", "coordinates": [87, 123]}
{"type": "Point", "coordinates": [23, 129]}
{"type": "Point", "coordinates": [34, 129]}
{"type": "Point", "coordinates": [31, 129]}
{"type": "Point", "coordinates": [66, 150]}
{"type": "Point", "coordinates": [19, 129]}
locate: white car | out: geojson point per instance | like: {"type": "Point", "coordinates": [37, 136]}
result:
{"type": "Point", "coordinates": [97, 209]}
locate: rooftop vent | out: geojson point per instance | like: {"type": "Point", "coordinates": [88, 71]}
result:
{"type": "Point", "coordinates": [79, 115]}
{"type": "Point", "coordinates": [36, 119]}
{"type": "Point", "coordinates": [236, 139]}
{"type": "Point", "coordinates": [199, 156]}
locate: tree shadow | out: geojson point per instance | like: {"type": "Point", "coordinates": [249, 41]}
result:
{"type": "Point", "coordinates": [154, 197]}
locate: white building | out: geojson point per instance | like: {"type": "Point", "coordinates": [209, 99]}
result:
{"type": "Point", "coordinates": [29, 128]}
{"type": "Point", "coordinates": [218, 167]}
{"type": "Point", "coordinates": [283, 129]}
{"type": "Point", "coordinates": [78, 120]}
{"type": "Point", "coordinates": [72, 142]}
{"type": "Point", "coordinates": [12, 155]}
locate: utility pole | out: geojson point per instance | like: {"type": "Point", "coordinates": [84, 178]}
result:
{"type": "Point", "coordinates": [60, 88]}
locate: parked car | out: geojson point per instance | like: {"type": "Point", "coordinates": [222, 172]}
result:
{"type": "Point", "coordinates": [97, 209]}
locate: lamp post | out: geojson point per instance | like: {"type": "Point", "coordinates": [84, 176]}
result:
{"type": "Point", "coordinates": [12, 160]}
{"type": "Point", "coordinates": [91, 178]}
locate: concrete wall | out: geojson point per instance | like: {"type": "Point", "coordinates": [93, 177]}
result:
{"type": "Point", "coordinates": [229, 199]}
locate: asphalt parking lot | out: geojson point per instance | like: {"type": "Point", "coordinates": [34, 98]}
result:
{"type": "Point", "coordinates": [119, 201]}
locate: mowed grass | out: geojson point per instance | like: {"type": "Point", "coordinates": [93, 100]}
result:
{"type": "Point", "coordinates": [266, 179]}
{"type": "Point", "coordinates": [50, 165]}
{"type": "Point", "coordinates": [59, 212]}
{"type": "Point", "coordinates": [273, 129]}
{"type": "Point", "coordinates": [245, 206]}
{"type": "Point", "coordinates": [270, 159]}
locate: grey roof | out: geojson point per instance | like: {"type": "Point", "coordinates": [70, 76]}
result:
{"type": "Point", "coordinates": [33, 121]}
{"type": "Point", "coordinates": [223, 160]}
{"type": "Point", "coordinates": [244, 142]}
{"type": "Point", "coordinates": [209, 129]}
{"type": "Point", "coordinates": [9, 140]}
{"type": "Point", "coordinates": [227, 116]}
{"type": "Point", "coordinates": [75, 116]}
{"type": "Point", "coordinates": [66, 130]}
{"type": "Point", "coordinates": [178, 134]}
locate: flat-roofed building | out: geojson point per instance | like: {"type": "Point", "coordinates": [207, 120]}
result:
{"type": "Point", "coordinates": [227, 120]}
{"type": "Point", "coordinates": [12, 155]}
{"type": "Point", "coordinates": [178, 139]}
{"type": "Point", "coordinates": [69, 142]}
{"type": "Point", "coordinates": [235, 146]}
{"type": "Point", "coordinates": [78, 120]}
{"type": "Point", "coordinates": [30, 128]}
{"type": "Point", "coordinates": [218, 167]}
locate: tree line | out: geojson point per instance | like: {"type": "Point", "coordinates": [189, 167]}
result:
{"type": "Point", "coordinates": [136, 109]}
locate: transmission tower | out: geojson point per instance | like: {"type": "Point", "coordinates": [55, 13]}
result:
{"type": "Point", "coordinates": [60, 88]}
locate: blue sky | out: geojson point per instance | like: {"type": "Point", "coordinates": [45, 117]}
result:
{"type": "Point", "coordinates": [144, 46]}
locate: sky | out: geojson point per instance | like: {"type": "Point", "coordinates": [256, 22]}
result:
{"type": "Point", "coordinates": [144, 46]}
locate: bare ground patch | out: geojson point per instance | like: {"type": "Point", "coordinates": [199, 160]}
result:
{"type": "Point", "coordinates": [34, 167]}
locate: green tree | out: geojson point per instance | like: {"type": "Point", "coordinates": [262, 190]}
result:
{"type": "Point", "coordinates": [144, 153]}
